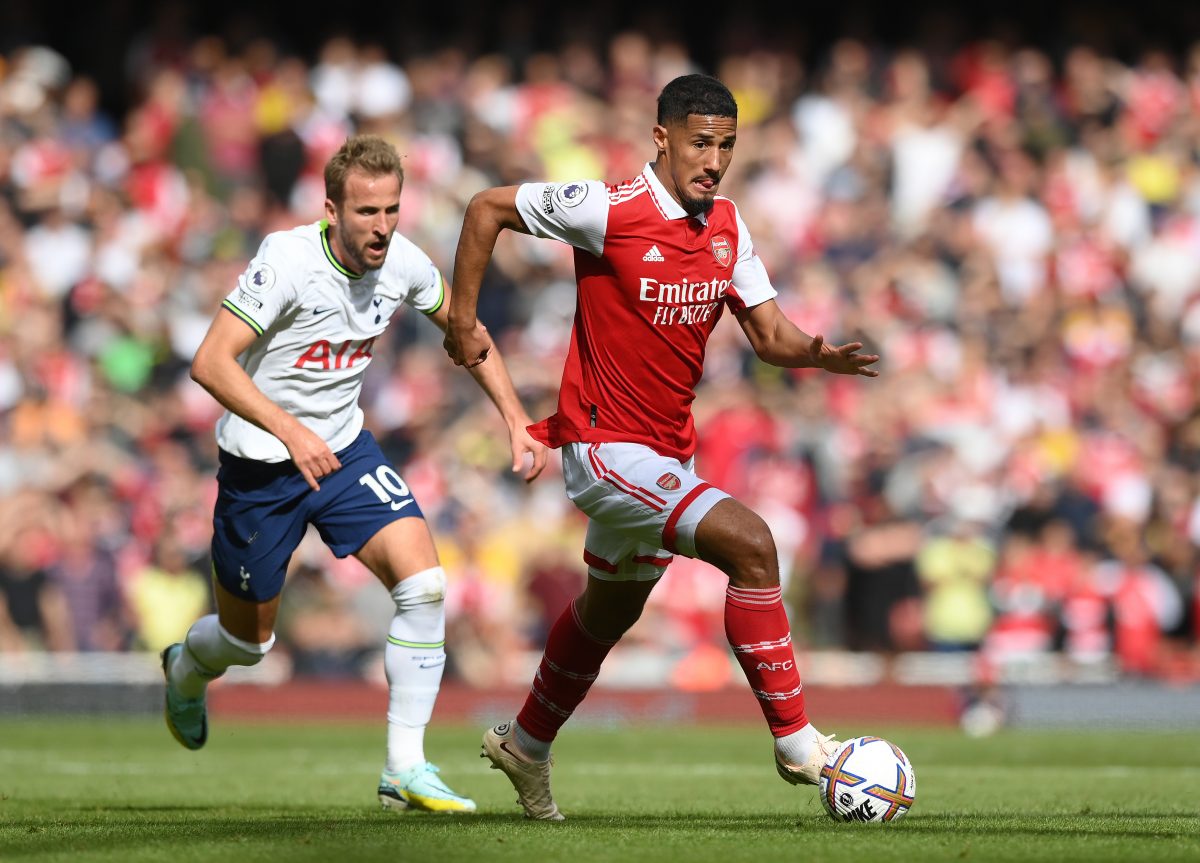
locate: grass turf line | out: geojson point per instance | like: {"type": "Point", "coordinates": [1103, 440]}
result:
{"type": "Point", "coordinates": [112, 789]}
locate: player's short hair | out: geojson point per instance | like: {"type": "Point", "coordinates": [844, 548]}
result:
{"type": "Point", "coordinates": [367, 153]}
{"type": "Point", "coordinates": [694, 94]}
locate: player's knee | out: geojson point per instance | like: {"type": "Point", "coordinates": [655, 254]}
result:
{"type": "Point", "coordinates": [611, 628]}
{"type": "Point", "coordinates": [610, 618]}
{"type": "Point", "coordinates": [240, 652]}
{"type": "Point", "coordinates": [753, 560]}
{"type": "Point", "coordinates": [423, 588]}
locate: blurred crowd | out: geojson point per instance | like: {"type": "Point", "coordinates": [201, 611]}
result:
{"type": "Point", "coordinates": [1016, 233]}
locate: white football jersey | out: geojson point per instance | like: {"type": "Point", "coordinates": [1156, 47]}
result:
{"type": "Point", "coordinates": [317, 323]}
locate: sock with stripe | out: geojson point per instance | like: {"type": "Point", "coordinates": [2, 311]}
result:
{"type": "Point", "coordinates": [758, 631]}
{"type": "Point", "coordinates": [413, 662]}
{"type": "Point", "coordinates": [208, 651]}
{"type": "Point", "coordinates": [569, 666]}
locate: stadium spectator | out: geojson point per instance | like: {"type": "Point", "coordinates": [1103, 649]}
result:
{"type": "Point", "coordinates": [1144, 603]}
{"type": "Point", "coordinates": [882, 590]}
{"type": "Point", "coordinates": [85, 570]}
{"type": "Point", "coordinates": [319, 625]}
{"type": "Point", "coordinates": [167, 594]}
{"type": "Point", "coordinates": [33, 612]}
{"type": "Point", "coordinates": [955, 565]}
{"type": "Point", "coordinates": [1034, 576]}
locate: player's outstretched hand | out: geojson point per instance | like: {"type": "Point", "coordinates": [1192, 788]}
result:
{"type": "Point", "coordinates": [311, 455]}
{"type": "Point", "coordinates": [523, 442]}
{"type": "Point", "coordinates": [467, 347]}
{"type": "Point", "coordinates": [842, 360]}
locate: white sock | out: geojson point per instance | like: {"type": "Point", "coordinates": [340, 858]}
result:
{"type": "Point", "coordinates": [538, 750]}
{"type": "Point", "coordinates": [413, 661]}
{"type": "Point", "coordinates": [208, 650]}
{"type": "Point", "coordinates": [797, 747]}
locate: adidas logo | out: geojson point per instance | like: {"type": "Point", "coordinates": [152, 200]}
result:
{"type": "Point", "coordinates": [653, 255]}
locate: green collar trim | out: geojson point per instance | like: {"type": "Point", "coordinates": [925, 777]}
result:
{"type": "Point", "coordinates": [329, 256]}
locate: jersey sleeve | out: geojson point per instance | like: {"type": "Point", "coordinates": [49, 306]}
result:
{"type": "Point", "coordinates": [751, 284]}
{"type": "Point", "coordinates": [267, 287]}
{"type": "Point", "coordinates": [426, 289]}
{"type": "Point", "coordinates": [575, 213]}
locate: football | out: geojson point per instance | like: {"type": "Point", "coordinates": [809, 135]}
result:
{"type": "Point", "coordinates": [868, 779]}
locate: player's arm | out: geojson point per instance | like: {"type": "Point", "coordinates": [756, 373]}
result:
{"type": "Point", "coordinates": [215, 367]}
{"type": "Point", "coordinates": [490, 212]}
{"type": "Point", "coordinates": [493, 379]}
{"type": "Point", "coordinates": [779, 342]}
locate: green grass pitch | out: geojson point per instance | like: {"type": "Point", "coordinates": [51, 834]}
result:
{"type": "Point", "coordinates": [122, 790]}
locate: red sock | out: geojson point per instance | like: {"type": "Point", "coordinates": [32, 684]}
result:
{"type": "Point", "coordinates": [757, 628]}
{"type": "Point", "coordinates": [568, 668]}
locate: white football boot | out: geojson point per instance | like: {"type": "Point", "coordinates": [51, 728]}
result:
{"type": "Point", "coordinates": [530, 778]}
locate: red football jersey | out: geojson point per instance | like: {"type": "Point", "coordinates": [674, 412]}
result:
{"type": "Point", "coordinates": [652, 284]}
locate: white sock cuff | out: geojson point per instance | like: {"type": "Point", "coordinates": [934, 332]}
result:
{"type": "Point", "coordinates": [421, 588]}
{"type": "Point", "coordinates": [254, 651]}
{"type": "Point", "coordinates": [797, 746]}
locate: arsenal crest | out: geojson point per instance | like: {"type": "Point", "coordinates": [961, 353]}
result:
{"type": "Point", "coordinates": [668, 481]}
{"type": "Point", "coordinates": [722, 251]}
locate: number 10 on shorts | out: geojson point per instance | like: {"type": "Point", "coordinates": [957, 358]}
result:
{"type": "Point", "coordinates": [388, 486]}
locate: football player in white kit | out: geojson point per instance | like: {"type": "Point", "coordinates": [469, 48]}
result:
{"type": "Point", "coordinates": [286, 355]}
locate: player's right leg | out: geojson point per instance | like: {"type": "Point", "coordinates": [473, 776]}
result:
{"type": "Point", "coordinates": [580, 639]}
{"type": "Point", "coordinates": [624, 563]}
{"type": "Point", "coordinates": [257, 524]}
{"type": "Point", "coordinates": [529, 776]}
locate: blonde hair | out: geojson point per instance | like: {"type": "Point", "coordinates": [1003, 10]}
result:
{"type": "Point", "coordinates": [367, 153]}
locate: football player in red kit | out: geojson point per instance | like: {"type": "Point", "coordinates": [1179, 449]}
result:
{"type": "Point", "coordinates": [658, 259]}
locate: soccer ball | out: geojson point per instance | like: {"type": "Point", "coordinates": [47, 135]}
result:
{"type": "Point", "coordinates": [868, 779]}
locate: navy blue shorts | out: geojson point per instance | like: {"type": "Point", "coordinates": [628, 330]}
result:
{"type": "Point", "coordinates": [264, 508]}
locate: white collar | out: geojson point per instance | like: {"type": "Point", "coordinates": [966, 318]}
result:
{"type": "Point", "coordinates": [667, 205]}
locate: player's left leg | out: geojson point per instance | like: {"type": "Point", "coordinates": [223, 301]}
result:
{"type": "Point", "coordinates": [375, 517]}
{"type": "Point", "coordinates": [402, 556]}
{"type": "Point", "coordinates": [736, 540]}
{"type": "Point", "coordinates": [588, 628]}
{"type": "Point", "coordinates": [624, 563]}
